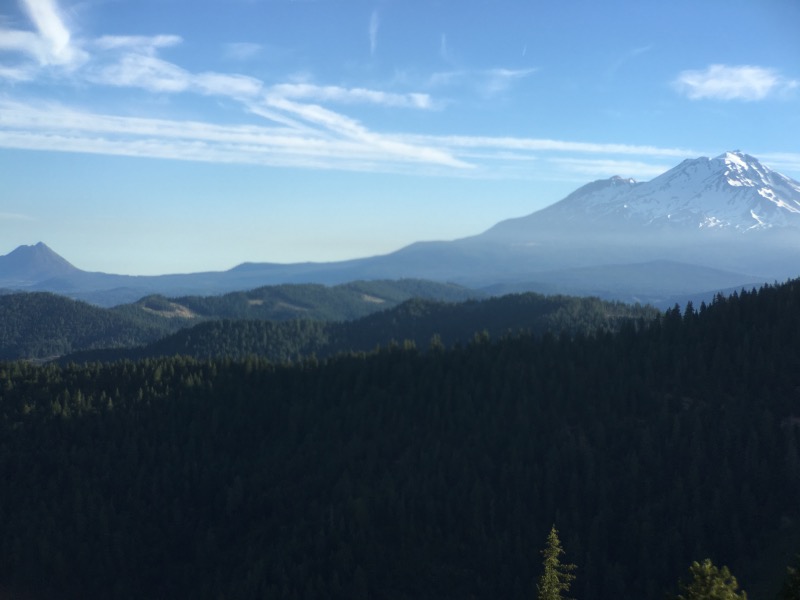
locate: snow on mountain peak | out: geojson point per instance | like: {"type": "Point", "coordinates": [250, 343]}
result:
{"type": "Point", "coordinates": [742, 170]}
{"type": "Point", "coordinates": [736, 157]}
{"type": "Point", "coordinates": [733, 191]}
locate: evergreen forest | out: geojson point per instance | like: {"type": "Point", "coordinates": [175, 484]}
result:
{"type": "Point", "coordinates": [45, 326]}
{"type": "Point", "coordinates": [417, 469]}
{"type": "Point", "coordinates": [416, 322]}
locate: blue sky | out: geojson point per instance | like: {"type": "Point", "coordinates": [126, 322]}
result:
{"type": "Point", "coordinates": [161, 136]}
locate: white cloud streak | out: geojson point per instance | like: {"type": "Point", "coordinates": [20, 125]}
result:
{"type": "Point", "coordinates": [137, 42]}
{"type": "Point", "coordinates": [499, 80]}
{"type": "Point", "coordinates": [337, 141]}
{"type": "Point", "coordinates": [143, 71]}
{"type": "Point", "coordinates": [52, 44]}
{"type": "Point", "coordinates": [488, 82]}
{"type": "Point", "coordinates": [306, 91]}
{"type": "Point", "coordinates": [25, 42]}
{"type": "Point", "coordinates": [540, 144]}
{"type": "Point", "coordinates": [374, 24]}
{"type": "Point", "coordinates": [313, 136]}
{"type": "Point", "coordinates": [220, 84]}
{"type": "Point", "coordinates": [444, 49]}
{"type": "Point", "coordinates": [723, 82]}
{"type": "Point", "coordinates": [301, 129]}
{"type": "Point", "coordinates": [44, 14]}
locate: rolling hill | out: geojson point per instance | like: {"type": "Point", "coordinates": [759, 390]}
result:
{"type": "Point", "coordinates": [41, 325]}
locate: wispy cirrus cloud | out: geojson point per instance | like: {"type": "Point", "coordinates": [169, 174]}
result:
{"type": "Point", "coordinates": [374, 24]}
{"type": "Point", "coordinates": [723, 82]}
{"type": "Point", "coordinates": [488, 82]}
{"type": "Point", "coordinates": [309, 135]}
{"type": "Point", "coordinates": [499, 80]}
{"type": "Point", "coordinates": [565, 159]}
{"type": "Point", "coordinates": [50, 44]}
{"type": "Point", "coordinates": [223, 84]}
{"type": "Point", "coordinates": [300, 128]}
{"type": "Point", "coordinates": [139, 43]}
{"type": "Point", "coordinates": [143, 71]}
{"type": "Point", "coordinates": [543, 144]}
{"type": "Point", "coordinates": [332, 141]}
{"type": "Point", "coordinates": [444, 49]}
{"type": "Point", "coordinates": [330, 93]}
{"type": "Point", "coordinates": [134, 63]}
{"type": "Point", "coordinates": [17, 74]}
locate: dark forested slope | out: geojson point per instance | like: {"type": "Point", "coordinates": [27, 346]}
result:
{"type": "Point", "coordinates": [403, 474]}
{"type": "Point", "coordinates": [41, 325]}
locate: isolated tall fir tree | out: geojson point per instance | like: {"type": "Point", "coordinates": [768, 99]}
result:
{"type": "Point", "coordinates": [557, 576]}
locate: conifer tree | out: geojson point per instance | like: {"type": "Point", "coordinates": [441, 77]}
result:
{"type": "Point", "coordinates": [791, 587]}
{"type": "Point", "coordinates": [710, 583]}
{"type": "Point", "coordinates": [557, 576]}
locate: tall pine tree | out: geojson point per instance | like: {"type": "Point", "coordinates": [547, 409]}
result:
{"type": "Point", "coordinates": [557, 576]}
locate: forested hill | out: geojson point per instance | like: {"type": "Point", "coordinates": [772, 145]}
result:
{"type": "Point", "coordinates": [405, 474]}
{"type": "Point", "coordinates": [416, 321]}
{"type": "Point", "coordinates": [302, 301]}
{"type": "Point", "coordinates": [41, 325]}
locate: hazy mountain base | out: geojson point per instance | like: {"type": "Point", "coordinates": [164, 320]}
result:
{"type": "Point", "coordinates": [659, 283]}
{"type": "Point", "coordinates": [410, 475]}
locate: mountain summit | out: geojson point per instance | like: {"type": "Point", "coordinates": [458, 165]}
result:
{"type": "Point", "coordinates": [30, 264]}
{"type": "Point", "coordinates": [732, 191]}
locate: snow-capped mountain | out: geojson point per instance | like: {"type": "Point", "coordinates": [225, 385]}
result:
{"type": "Point", "coordinates": [733, 191]}
{"type": "Point", "coordinates": [703, 226]}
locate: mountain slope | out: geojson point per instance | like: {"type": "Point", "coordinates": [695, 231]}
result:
{"type": "Point", "coordinates": [27, 265]}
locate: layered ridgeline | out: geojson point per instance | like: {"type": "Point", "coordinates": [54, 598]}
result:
{"type": "Point", "coordinates": [703, 226]}
{"type": "Point", "coordinates": [403, 474]}
{"type": "Point", "coordinates": [42, 325]}
{"type": "Point", "coordinates": [418, 322]}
